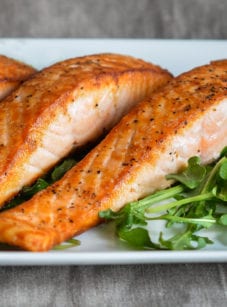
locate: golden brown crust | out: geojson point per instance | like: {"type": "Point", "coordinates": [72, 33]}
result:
{"type": "Point", "coordinates": [12, 74]}
{"type": "Point", "coordinates": [27, 114]}
{"type": "Point", "coordinates": [108, 176]}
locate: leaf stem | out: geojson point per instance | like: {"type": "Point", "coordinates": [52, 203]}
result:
{"type": "Point", "coordinates": [180, 202]}
{"type": "Point", "coordinates": [179, 219]}
{"type": "Point", "coordinates": [212, 175]}
{"type": "Point", "coordinates": [157, 197]}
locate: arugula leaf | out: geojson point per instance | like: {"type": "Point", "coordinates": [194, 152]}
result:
{"type": "Point", "coordinates": [192, 175]}
{"type": "Point", "coordinates": [223, 171]}
{"type": "Point", "coordinates": [137, 237]}
{"type": "Point", "coordinates": [185, 240]}
{"type": "Point", "coordinates": [204, 221]}
{"type": "Point", "coordinates": [193, 202]}
{"type": "Point", "coordinates": [223, 220]}
{"type": "Point", "coordinates": [224, 152]}
{"type": "Point", "coordinates": [61, 169]}
{"type": "Point", "coordinates": [68, 244]}
{"type": "Point", "coordinates": [41, 183]}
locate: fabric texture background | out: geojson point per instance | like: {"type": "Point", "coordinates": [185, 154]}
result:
{"type": "Point", "coordinates": [114, 18]}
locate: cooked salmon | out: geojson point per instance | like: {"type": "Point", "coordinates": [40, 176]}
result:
{"type": "Point", "coordinates": [12, 74]}
{"type": "Point", "coordinates": [65, 106]}
{"type": "Point", "coordinates": [186, 118]}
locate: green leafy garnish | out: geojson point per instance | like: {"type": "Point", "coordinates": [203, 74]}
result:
{"type": "Point", "coordinates": [194, 202]}
{"type": "Point", "coordinates": [193, 174]}
{"type": "Point", "coordinates": [60, 170]}
{"type": "Point", "coordinates": [68, 244]}
{"type": "Point", "coordinates": [39, 185]}
{"type": "Point", "coordinates": [42, 183]}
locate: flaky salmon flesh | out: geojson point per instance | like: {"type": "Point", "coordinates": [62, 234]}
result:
{"type": "Point", "coordinates": [187, 117]}
{"type": "Point", "coordinates": [12, 74]}
{"type": "Point", "coordinates": [66, 106]}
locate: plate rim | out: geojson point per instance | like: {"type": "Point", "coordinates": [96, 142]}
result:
{"type": "Point", "coordinates": [111, 257]}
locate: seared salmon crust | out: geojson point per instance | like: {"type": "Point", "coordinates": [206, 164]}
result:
{"type": "Point", "coordinates": [64, 107]}
{"type": "Point", "coordinates": [186, 118]}
{"type": "Point", "coordinates": [12, 74]}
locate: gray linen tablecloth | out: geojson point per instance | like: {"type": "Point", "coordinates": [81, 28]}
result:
{"type": "Point", "coordinates": [121, 285]}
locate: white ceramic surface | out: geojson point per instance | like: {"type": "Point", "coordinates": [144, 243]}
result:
{"type": "Point", "coordinates": [99, 245]}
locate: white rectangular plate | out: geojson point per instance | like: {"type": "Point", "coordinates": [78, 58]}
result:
{"type": "Point", "coordinates": [99, 245]}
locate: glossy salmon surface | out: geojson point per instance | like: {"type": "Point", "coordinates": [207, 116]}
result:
{"type": "Point", "coordinates": [12, 74]}
{"type": "Point", "coordinates": [64, 107]}
{"type": "Point", "coordinates": [187, 117]}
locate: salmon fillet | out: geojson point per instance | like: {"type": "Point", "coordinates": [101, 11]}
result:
{"type": "Point", "coordinates": [186, 118]}
{"type": "Point", "coordinates": [12, 74]}
{"type": "Point", "coordinates": [65, 106]}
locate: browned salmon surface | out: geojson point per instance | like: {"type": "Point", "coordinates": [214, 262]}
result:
{"type": "Point", "coordinates": [65, 106]}
{"type": "Point", "coordinates": [12, 74]}
{"type": "Point", "coordinates": [187, 117]}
